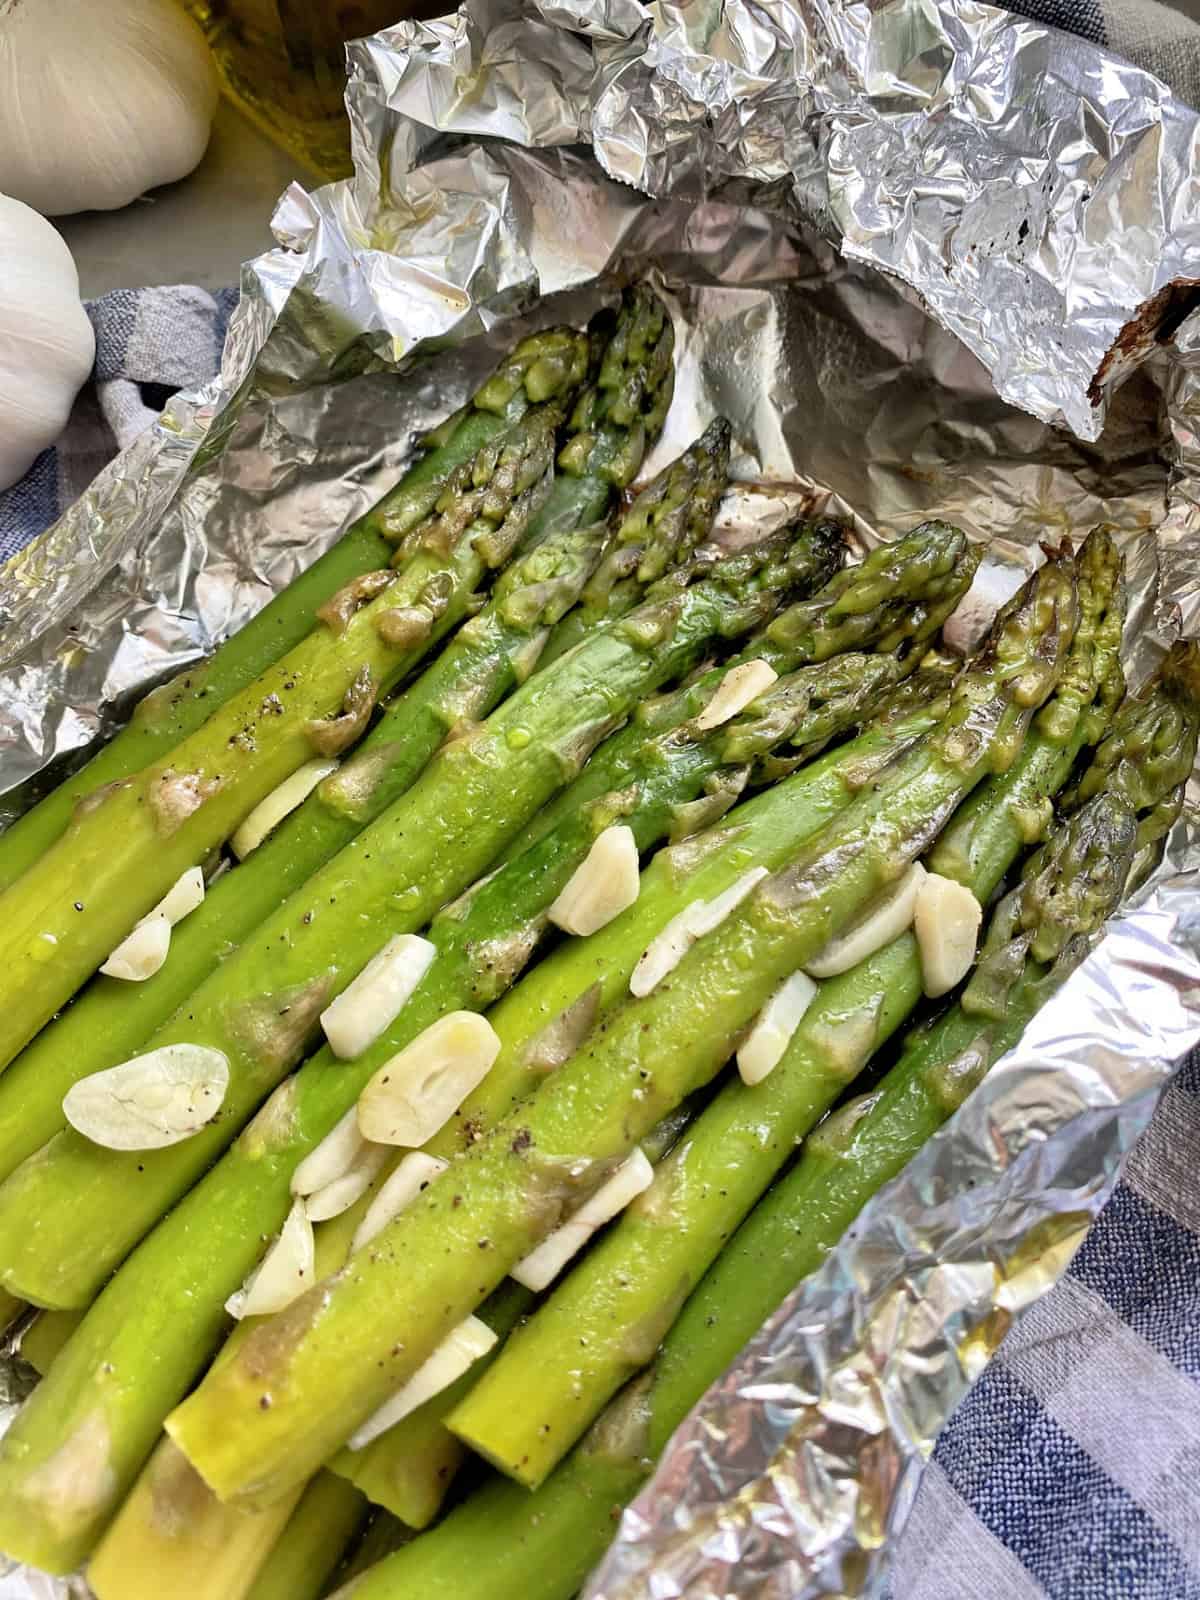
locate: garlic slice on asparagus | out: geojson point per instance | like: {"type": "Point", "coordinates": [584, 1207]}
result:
{"type": "Point", "coordinates": [664, 952]}
{"type": "Point", "coordinates": [771, 1034]}
{"type": "Point", "coordinates": [142, 953]}
{"type": "Point", "coordinates": [740, 687]}
{"type": "Point", "coordinates": [457, 1353]}
{"type": "Point", "coordinates": [420, 1088]}
{"type": "Point", "coordinates": [184, 896]}
{"type": "Point", "coordinates": [343, 1192]}
{"type": "Point", "coordinates": [543, 1264]}
{"type": "Point", "coordinates": [339, 1171]}
{"type": "Point", "coordinates": [270, 812]}
{"type": "Point", "coordinates": [285, 1272]}
{"type": "Point", "coordinates": [884, 921]}
{"type": "Point", "coordinates": [152, 1100]}
{"type": "Point", "coordinates": [374, 999]}
{"type": "Point", "coordinates": [414, 1173]}
{"type": "Point", "coordinates": [332, 1158]}
{"type": "Point", "coordinates": [602, 886]}
{"type": "Point", "coordinates": [946, 922]}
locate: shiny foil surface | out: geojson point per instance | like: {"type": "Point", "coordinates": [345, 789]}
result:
{"type": "Point", "coordinates": [930, 259]}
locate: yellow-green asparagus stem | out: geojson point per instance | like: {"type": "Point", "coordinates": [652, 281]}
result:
{"type": "Point", "coordinates": [130, 843]}
{"type": "Point", "coordinates": [307, 1552]}
{"type": "Point", "coordinates": [176, 709]}
{"type": "Point", "coordinates": [173, 1536]}
{"type": "Point", "coordinates": [301, 1384]}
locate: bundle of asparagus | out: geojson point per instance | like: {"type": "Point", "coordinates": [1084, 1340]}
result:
{"type": "Point", "coordinates": [525, 1020]}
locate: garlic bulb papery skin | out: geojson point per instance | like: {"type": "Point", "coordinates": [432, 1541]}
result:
{"type": "Point", "coordinates": [46, 341]}
{"type": "Point", "coordinates": [99, 103]}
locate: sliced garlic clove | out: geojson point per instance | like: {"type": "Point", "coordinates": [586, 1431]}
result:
{"type": "Point", "coordinates": [142, 953]}
{"type": "Point", "coordinates": [284, 1274]}
{"type": "Point", "coordinates": [343, 1192]}
{"type": "Point", "coordinates": [333, 1157]}
{"type": "Point", "coordinates": [662, 955]}
{"type": "Point", "coordinates": [668, 948]}
{"type": "Point", "coordinates": [886, 920]}
{"type": "Point", "coordinates": [269, 813]}
{"type": "Point", "coordinates": [184, 896]}
{"type": "Point", "coordinates": [419, 1090]}
{"type": "Point", "coordinates": [457, 1353]}
{"type": "Point", "coordinates": [375, 998]}
{"type": "Point", "coordinates": [542, 1265]}
{"type": "Point", "coordinates": [601, 887]}
{"type": "Point", "coordinates": [150, 1101]}
{"type": "Point", "coordinates": [946, 923]}
{"type": "Point", "coordinates": [778, 1020]}
{"type": "Point", "coordinates": [400, 1190]}
{"type": "Point", "coordinates": [707, 915]}
{"type": "Point", "coordinates": [740, 687]}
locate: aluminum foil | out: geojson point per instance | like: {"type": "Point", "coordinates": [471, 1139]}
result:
{"type": "Point", "coordinates": [928, 258]}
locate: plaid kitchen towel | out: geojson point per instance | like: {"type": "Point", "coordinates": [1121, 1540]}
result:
{"type": "Point", "coordinates": [1072, 1469]}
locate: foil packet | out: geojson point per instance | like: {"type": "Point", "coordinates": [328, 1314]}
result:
{"type": "Point", "coordinates": [930, 259]}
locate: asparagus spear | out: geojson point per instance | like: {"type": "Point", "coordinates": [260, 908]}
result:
{"type": "Point", "coordinates": [506, 1544]}
{"type": "Point", "coordinates": [479, 666]}
{"type": "Point", "coordinates": [533, 372]}
{"type": "Point", "coordinates": [171, 1537]}
{"type": "Point", "coordinates": [900, 594]}
{"type": "Point", "coordinates": [459, 1239]}
{"type": "Point", "coordinates": [167, 818]}
{"type": "Point", "coordinates": [1148, 753]}
{"type": "Point", "coordinates": [614, 1308]}
{"type": "Point", "coordinates": [129, 845]}
{"type": "Point", "coordinates": [243, 1198]}
{"type": "Point", "coordinates": [985, 836]}
{"type": "Point", "coordinates": [409, 1468]}
{"type": "Point", "coordinates": [70, 1213]}
{"type": "Point", "coordinates": [383, 1534]}
{"type": "Point", "coordinates": [247, 1195]}
{"type": "Point", "coordinates": [308, 1551]}
{"type": "Point", "coordinates": [1038, 934]}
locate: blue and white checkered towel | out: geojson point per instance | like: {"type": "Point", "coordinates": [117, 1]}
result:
{"type": "Point", "coordinates": [1072, 1470]}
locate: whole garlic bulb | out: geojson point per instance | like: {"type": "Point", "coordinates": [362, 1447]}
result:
{"type": "Point", "coordinates": [46, 340]}
{"type": "Point", "coordinates": [99, 102]}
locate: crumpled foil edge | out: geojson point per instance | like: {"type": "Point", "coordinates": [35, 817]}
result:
{"type": "Point", "coordinates": [857, 151]}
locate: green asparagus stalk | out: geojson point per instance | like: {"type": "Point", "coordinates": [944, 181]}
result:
{"type": "Point", "coordinates": [503, 1540]}
{"type": "Point", "coordinates": [1147, 755]}
{"type": "Point", "coordinates": [1038, 934]}
{"type": "Point", "coordinates": [315, 1540]}
{"type": "Point", "coordinates": [476, 670]}
{"type": "Point", "coordinates": [243, 1199]}
{"type": "Point", "coordinates": [532, 373]}
{"type": "Point", "coordinates": [382, 1536]}
{"type": "Point", "coordinates": [260, 1008]}
{"type": "Point", "coordinates": [247, 1195]}
{"type": "Point", "coordinates": [409, 1468]}
{"type": "Point", "coordinates": [986, 837]}
{"type": "Point", "coordinates": [614, 1308]}
{"type": "Point", "coordinates": [45, 1336]}
{"type": "Point", "coordinates": [127, 846]}
{"type": "Point", "coordinates": [174, 811]}
{"type": "Point", "coordinates": [172, 1537]}
{"type": "Point", "coordinates": [459, 1239]}
{"type": "Point", "coordinates": [896, 598]}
